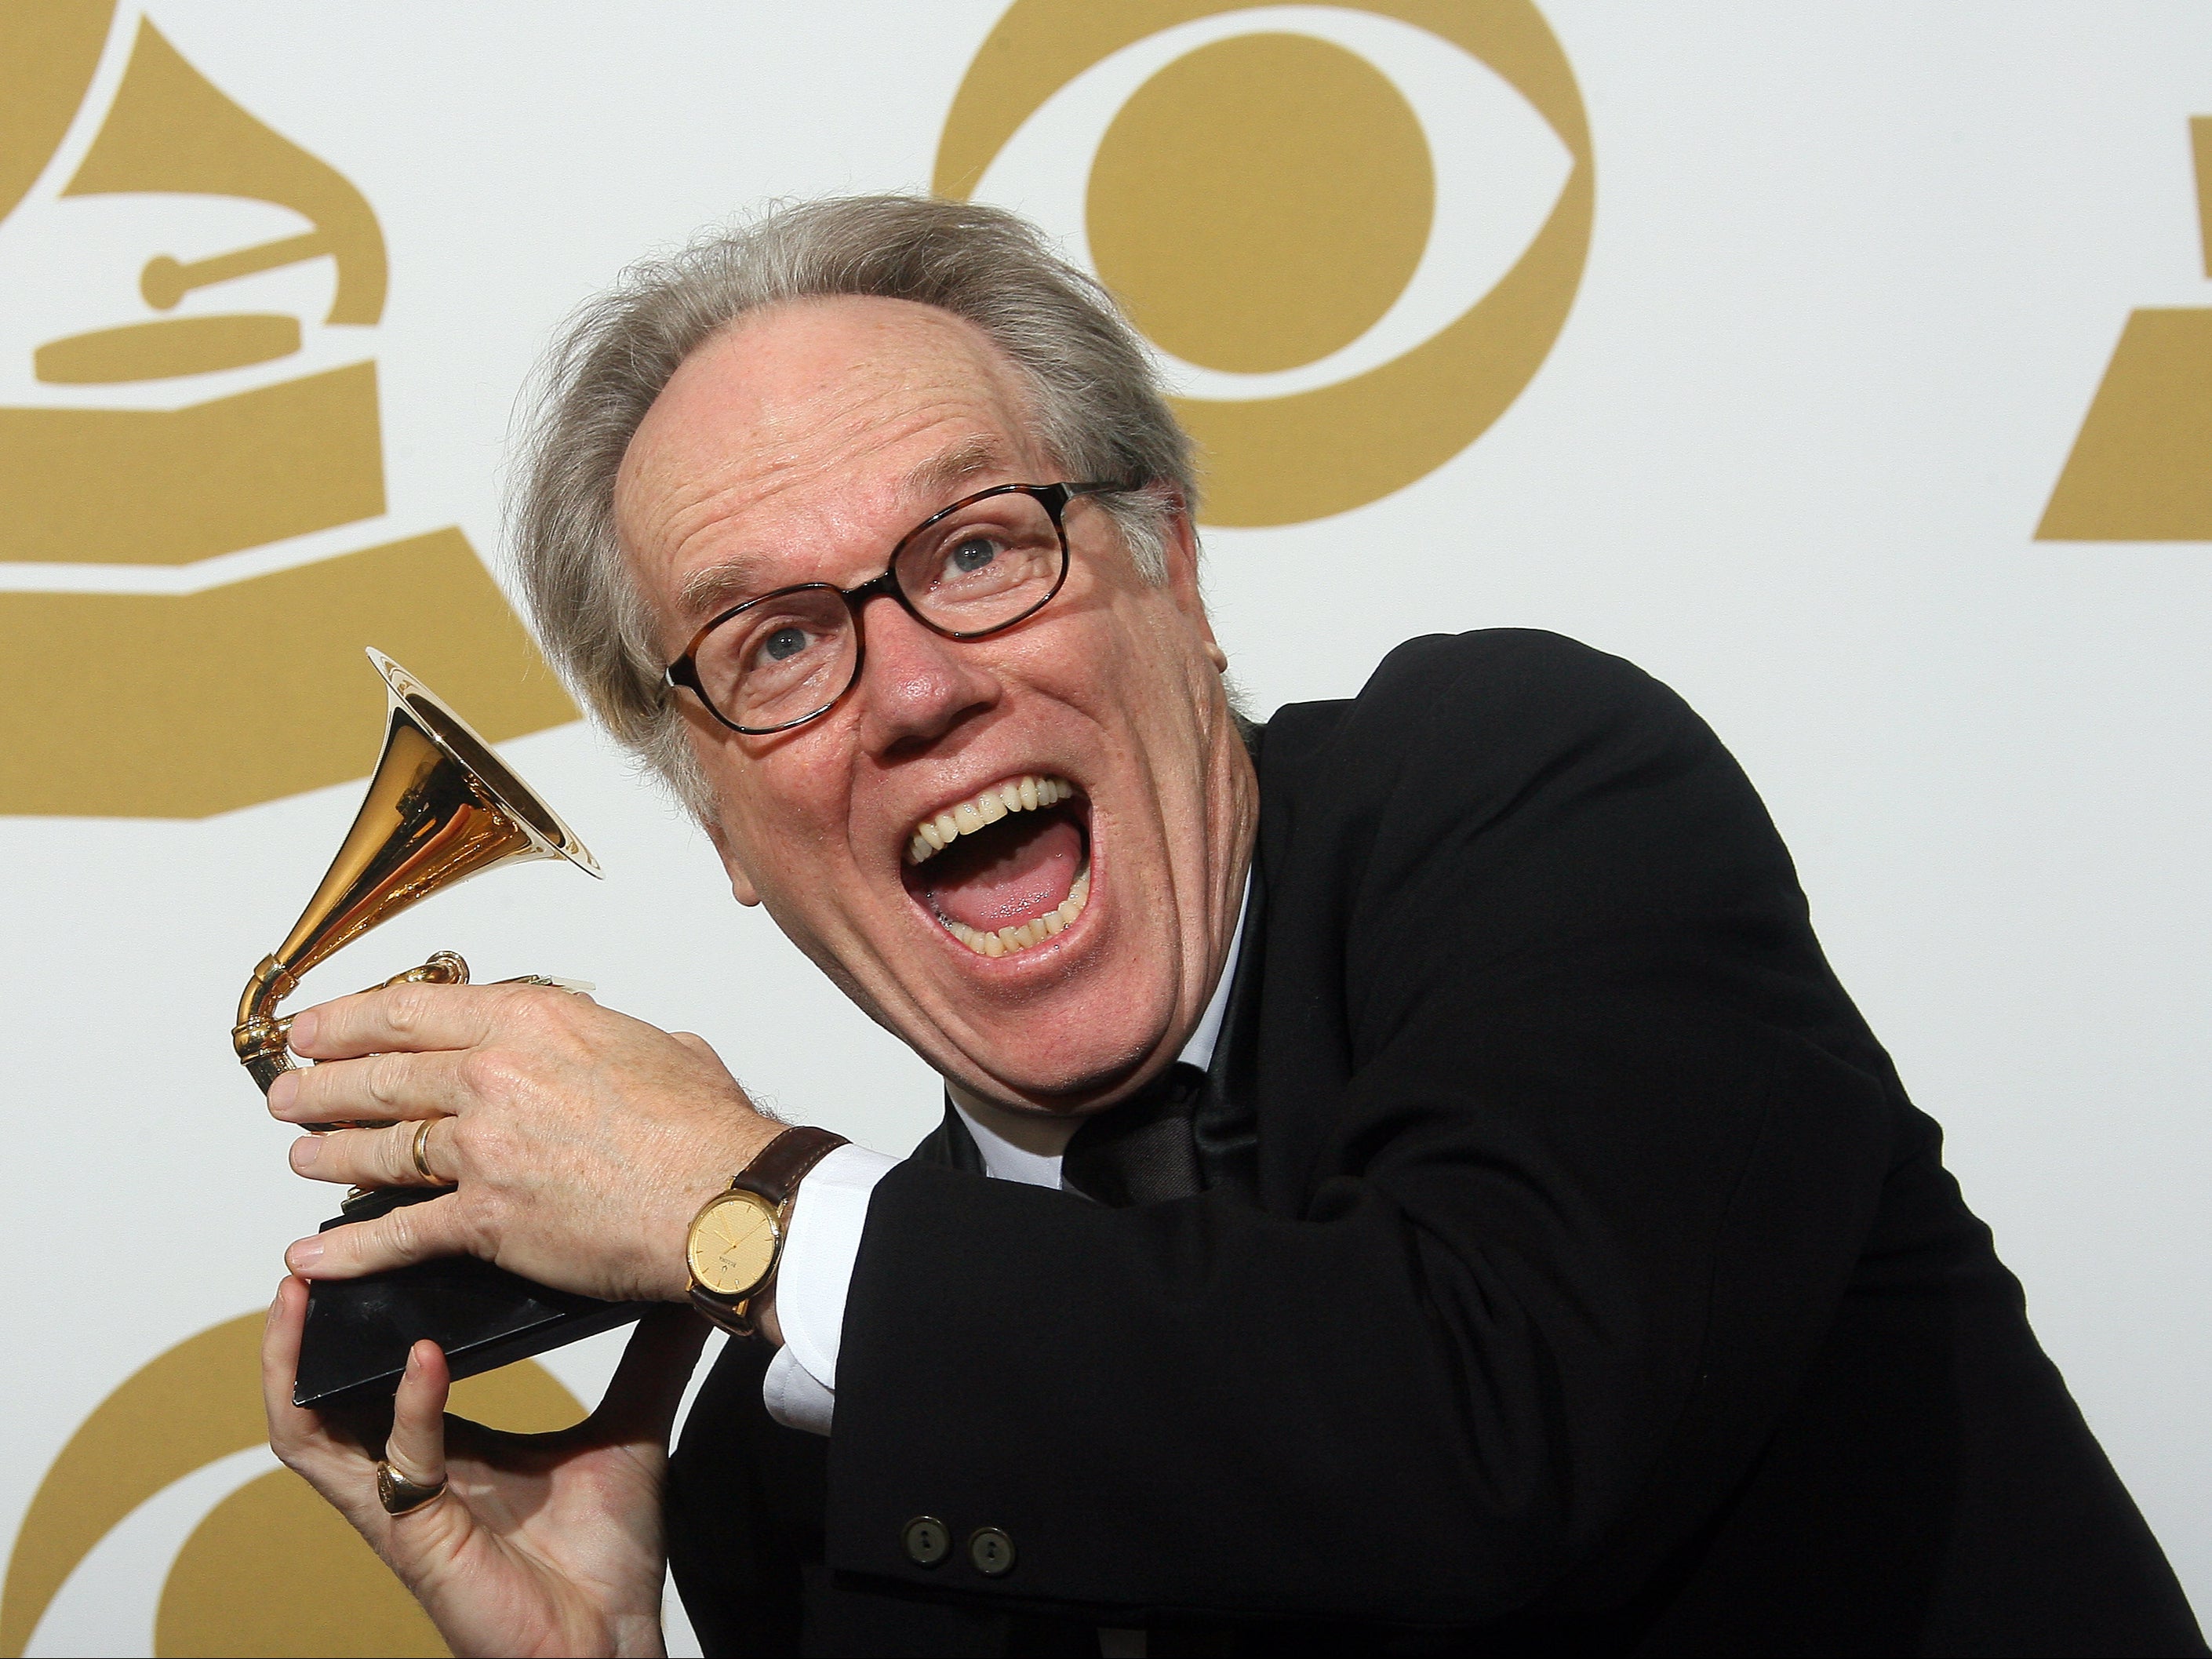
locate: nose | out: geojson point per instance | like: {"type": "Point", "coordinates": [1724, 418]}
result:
{"type": "Point", "coordinates": [915, 686]}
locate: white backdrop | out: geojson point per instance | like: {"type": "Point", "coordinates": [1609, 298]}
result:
{"type": "Point", "coordinates": [1855, 276]}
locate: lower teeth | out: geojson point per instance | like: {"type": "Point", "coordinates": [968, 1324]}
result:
{"type": "Point", "coordinates": [1029, 932]}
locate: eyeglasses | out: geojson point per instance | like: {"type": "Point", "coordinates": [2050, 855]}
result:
{"type": "Point", "coordinates": [988, 561]}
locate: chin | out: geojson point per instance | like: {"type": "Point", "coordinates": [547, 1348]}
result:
{"type": "Point", "coordinates": [1078, 1050]}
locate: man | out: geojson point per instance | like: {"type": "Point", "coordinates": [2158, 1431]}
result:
{"type": "Point", "coordinates": [1409, 1180]}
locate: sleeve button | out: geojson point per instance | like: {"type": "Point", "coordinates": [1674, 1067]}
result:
{"type": "Point", "coordinates": [991, 1552]}
{"type": "Point", "coordinates": [927, 1541]}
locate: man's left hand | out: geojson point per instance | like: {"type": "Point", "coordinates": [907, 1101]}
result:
{"type": "Point", "coordinates": [581, 1142]}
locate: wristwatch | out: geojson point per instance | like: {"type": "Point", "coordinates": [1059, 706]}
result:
{"type": "Point", "coordinates": [737, 1239]}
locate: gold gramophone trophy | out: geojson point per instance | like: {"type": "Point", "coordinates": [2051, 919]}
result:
{"type": "Point", "coordinates": [441, 807]}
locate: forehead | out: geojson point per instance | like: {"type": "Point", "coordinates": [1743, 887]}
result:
{"type": "Point", "coordinates": [806, 426]}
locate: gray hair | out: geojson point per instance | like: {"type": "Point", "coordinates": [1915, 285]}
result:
{"type": "Point", "coordinates": [1094, 394]}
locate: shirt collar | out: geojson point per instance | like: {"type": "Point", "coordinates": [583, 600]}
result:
{"type": "Point", "coordinates": [1199, 1051]}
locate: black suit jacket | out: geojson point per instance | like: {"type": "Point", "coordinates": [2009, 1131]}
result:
{"type": "Point", "coordinates": [1575, 1275]}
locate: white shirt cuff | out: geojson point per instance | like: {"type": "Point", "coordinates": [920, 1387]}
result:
{"type": "Point", "coordinates": [793, 1398]}
{"type": "Point", "coordinates": [813, 1279]}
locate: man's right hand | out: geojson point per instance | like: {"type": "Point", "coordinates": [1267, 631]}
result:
{"type": "Point", "coordinates": [547, 1543]}
{"type": "Point", "coordinates": [580, 1142]}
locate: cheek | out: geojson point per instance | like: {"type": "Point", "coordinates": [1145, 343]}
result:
{"type": "Point", "coordinates": [1147, 681]}
{"type": "Point", "coordinates": [783, 816]}
{"type": "Point", "coordinates": [1108, 650]}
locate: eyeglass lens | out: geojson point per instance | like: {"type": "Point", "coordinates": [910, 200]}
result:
{"type": "Point", "coordinates": [790, 654]}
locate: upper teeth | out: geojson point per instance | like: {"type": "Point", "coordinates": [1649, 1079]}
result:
{"type": "Point", "coordinates": [1022, 794]}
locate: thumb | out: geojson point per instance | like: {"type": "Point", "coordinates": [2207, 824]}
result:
{"type": "Point", "coordinates": [416, 1448]}
{"type": "Point", "coordinates": [641, 1402]}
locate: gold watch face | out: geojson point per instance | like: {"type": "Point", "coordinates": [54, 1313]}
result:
{"type": "Point", "coordinates": [733, 1244]}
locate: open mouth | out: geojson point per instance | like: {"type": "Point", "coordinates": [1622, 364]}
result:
{"type": "Point", "coordinates": [1005, 869]}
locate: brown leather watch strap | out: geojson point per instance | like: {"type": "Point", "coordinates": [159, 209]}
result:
{"type": "Point", "coordinates": [735, 1317]}
{"type": "Point", "coordinates": [776, 1172]}
{"type": "Point", "coordinates": [783, 1162]}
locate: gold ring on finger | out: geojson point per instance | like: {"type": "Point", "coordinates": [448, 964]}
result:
{"type": "Point", "coordinates": [422, 1150]}
{"type": "Point", "coordinates": [401, 1496]}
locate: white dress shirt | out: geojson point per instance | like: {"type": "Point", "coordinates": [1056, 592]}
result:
{"type": "Point", "coordinates": [831, 1210]}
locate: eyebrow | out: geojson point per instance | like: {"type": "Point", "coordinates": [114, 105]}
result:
{"type": "Point", "coordinates": [729, 581]}
{"type": "Point", "coordinates": [969, 459]}
{"type": "Point", "coordinates": [722, 584]}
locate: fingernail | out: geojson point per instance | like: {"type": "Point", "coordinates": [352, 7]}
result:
{"type": "Point", "coordinates": [281, 1091]}
{"type": "Point", "coordinates": [304, 1151]}
{"type": "Point", "coordinates": [303, 1030]}
{"type": "Point", "coordinates": [304, 1255]}
{"type": "Point", "coordinates": [414, 1361]}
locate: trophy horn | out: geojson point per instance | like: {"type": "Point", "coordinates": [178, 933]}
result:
{"type": "Point", "coordinates": [440, 807]}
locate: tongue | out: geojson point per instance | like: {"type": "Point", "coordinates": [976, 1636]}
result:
{"type": "Point", "coordinates": [1010, 873]}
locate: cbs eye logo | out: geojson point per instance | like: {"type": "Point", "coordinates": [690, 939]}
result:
{"type": "Point", "coordinates": [1353, 234]}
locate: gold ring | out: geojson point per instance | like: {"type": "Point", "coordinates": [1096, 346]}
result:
{"type": "Point", "coordinates": [421, 1148]}
{"type": "Point", "coordinates": [401, 1496]}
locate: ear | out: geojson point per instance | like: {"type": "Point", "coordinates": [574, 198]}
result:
{"type": "Point", "coordinates": [698, 735]}
{"type": "Point", "coordinates": [1181, 548]}
{"type": "Point", "coordinates": [741, 884]}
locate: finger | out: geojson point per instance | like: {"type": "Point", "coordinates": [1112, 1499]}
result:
{"type": "Point", "coordinates": [377, 1087]}
{"type": "Point", "coordinates": [641, 1402]}
{"type": "Point", "coordinates": [411, 1017]}
{"type": "Point", "coordinates": [416, 1447]}
{"type": "Point", "coordinates": [417, 1154]}
{"type": "Point", "coordinates": [296, 1435]}
{"type": "Point", "coordinates": [411, 1233]}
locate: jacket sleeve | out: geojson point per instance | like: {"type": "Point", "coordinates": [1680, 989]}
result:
{"type": "Point", "coordinates": [1568, 1142]}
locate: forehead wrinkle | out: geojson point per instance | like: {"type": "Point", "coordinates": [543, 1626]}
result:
{"type": "Point", "coordinates": [707, 486]}
{"type": "Point", "coordinates": [699, 477]}
{"type": "Point", "coordinates": [701, 510]}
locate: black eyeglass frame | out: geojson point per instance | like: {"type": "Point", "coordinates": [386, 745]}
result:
{"type": "Point", "coordinates": [1053, 497]}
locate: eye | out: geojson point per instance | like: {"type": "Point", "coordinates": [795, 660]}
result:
{"type": "Point", "coordinates": [972, 554]}
{"type": "Point", "coordinates": [771, 651]}
{"type": "Point", "coordinates": [783, 644]}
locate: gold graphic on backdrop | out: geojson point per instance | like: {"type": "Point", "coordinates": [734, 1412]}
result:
{"type": "Point", "coordinates": [1187, 226]}
{"type": "Point", "coordinates": [165, 350]}
{"type": "Point", "coordinates": [51, 49]}
{"type": "Point", "coordinates": [171, 132]}
{"type": "Point", "coordinates": [2200, 149]}
{"type": "Point", "coordinates": [234, 472]}
{"type": "Point", "coordinates": [2142, 468]}
{"type": "Point", "coordinates": [160, 705]}
{"type": "Point", "coordinates": [1307, 454]}
{"type": "Point", "coordinates": [162, 660]}
{"type": "Point", "coordinates": [271, 1569]}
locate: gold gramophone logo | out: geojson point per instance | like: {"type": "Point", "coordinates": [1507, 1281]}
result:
{"type": "Point", "coordinates": [190, 564]}
{"type": "Point", "coordinates": [1325, 218]}
{"type": "Point", "coordinates": [2141, 467]}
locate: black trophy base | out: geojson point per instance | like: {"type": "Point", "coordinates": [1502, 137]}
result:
{"type": "Point", "coordinates": [359, 1330]}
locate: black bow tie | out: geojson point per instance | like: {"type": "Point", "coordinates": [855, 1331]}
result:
{"type": "Point", "coordinates": [1142, 1151]}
